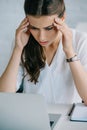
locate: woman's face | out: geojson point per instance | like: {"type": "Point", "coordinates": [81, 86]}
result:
{"type": "Point", "coordinates": [42, 29]}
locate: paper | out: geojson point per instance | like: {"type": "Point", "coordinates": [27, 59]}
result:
{"type": "Point", "coordinates": [79, 113]}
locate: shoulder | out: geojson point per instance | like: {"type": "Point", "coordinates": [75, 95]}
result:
{"type": "Point", "coordinates": [78, 35]}
{"type": "Point", "coordinates": [79, 38]}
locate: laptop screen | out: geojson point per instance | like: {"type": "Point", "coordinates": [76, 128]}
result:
{"type": "Point", "coordinates": [23, 112]}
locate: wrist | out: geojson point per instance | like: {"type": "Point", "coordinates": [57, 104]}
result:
{"type": "Point", "coordinates": [70, 54]}
{"type": "Point", "coordinates": [72, 59]}
{"type": "Point", "coordinates": [17, 50]}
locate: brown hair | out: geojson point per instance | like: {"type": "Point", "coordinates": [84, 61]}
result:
{"type": "Point", "coordinates": [33, 57]}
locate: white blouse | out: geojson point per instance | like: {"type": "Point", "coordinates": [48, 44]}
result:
{"type": "Point", "coordinates": [55, 81]}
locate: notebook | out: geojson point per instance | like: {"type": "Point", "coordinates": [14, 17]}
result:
{"type": "Point", "coordinates": [24, 112]}
{"type": "Point", "coordinates": [79, 112]}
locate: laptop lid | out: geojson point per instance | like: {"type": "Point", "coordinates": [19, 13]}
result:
{"type": "Point", "coordinates": [23, 112]}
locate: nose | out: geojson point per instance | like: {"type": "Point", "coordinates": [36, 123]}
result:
{"type": "Point", "coordinates": [42, 35]}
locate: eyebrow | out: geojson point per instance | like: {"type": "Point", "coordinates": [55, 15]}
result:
{"type": "Point", "coordinates": [43, 27]}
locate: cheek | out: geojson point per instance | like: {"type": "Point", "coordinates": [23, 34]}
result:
{"type": "Point", "coordinates": [52, 34]}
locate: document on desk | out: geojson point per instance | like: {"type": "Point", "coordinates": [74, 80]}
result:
{"type": "Point", "coordinates": [79, 113]}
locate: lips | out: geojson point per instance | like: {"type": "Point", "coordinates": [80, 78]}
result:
{"type": "Point", "coordinates": [43, 42]}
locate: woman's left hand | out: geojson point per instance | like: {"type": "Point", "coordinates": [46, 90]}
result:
{"type": "Point", "coordinates": [67, 37]}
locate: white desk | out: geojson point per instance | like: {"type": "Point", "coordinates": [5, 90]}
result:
{"type": "Point", "coordinates": [64, 123]}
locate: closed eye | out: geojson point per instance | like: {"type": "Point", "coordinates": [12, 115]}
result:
{"type": "Point", "coordinates": [33, 28]}
{"type": "Point", "coordinates": [49, 28]}
{"type": "Point", "coordinates": [46, 28]}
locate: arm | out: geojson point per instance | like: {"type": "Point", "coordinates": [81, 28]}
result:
{"type": "Point", "coordinates": [78, 72]}
{"type": "Point", "coordinates": [8, 79]}
{"type": "Point", "coordinates": [80, 79]}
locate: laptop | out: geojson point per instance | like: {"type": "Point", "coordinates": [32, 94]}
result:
{"type": "Point", "coordinates": [19, 111]}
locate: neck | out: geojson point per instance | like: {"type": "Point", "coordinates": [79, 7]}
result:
{"type": "Point", "coordinates": [50, 50]}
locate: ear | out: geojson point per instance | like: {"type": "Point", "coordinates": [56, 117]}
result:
{"type": "Point", "coordinates": [64, 17]}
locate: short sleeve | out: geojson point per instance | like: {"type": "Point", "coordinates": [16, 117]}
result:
{"type": "Point", "coordinates": [83, 53]}
{"type": "Point", "coordinates": [81, 46]}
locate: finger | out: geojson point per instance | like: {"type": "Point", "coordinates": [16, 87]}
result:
{"type": "Point", "coordinates": [60, 28]}
{"type": "Point", "coordinates": [57, 26]}
{"type": "Point", "coordinates": [23, 28]}
{"type": "Point", "coordinates": [25, 20]}
{"type": "Point", "coordinates": [24, 25]}
{"type": "Point", "coordinates": [59, 21]}
{"type": "Point", "coordinates": [60, 24]}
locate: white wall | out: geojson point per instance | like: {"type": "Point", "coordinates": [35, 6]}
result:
{"type": "Point", "coordinates": [12, 13]}
{"type": "Point", "coordinates": [76, 12]}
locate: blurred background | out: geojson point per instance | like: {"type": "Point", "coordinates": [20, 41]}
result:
{"type": "Point", "coordinates": [12, 13]}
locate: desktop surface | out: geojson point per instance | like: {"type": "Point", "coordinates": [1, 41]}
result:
{"type": "Point", "coordinates": [64, 122]}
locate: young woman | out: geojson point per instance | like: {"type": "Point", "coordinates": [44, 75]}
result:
{"type": "Point", "coordinates": [49, 58]}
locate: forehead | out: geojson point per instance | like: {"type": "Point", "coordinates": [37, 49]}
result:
{"type": "Point", "coordinates": [41, 21]}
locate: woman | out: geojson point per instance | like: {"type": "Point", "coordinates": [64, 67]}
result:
{"type": "Point", "coordinates": [49, 53]}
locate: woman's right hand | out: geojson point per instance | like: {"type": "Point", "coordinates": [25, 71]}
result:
{"type": "Point", "coordinates": [22, 34]}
